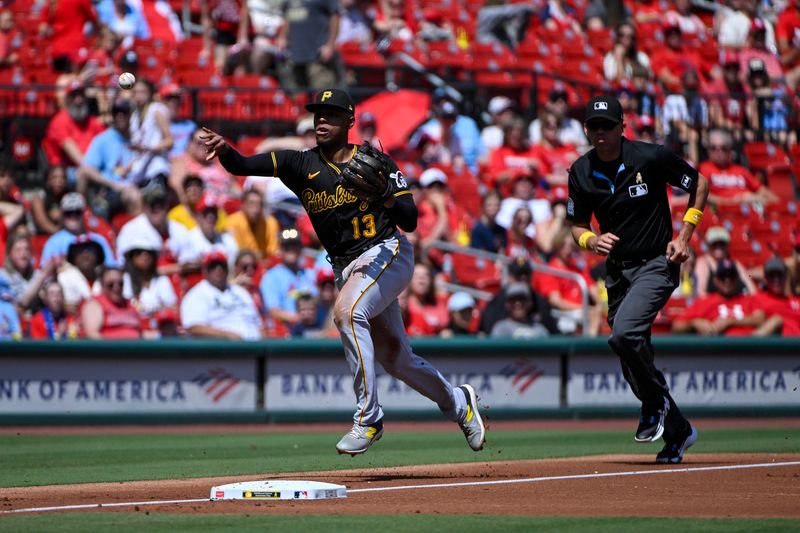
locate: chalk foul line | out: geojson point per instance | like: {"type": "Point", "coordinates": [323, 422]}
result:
{"type": "Point", "coordinates": [437, 485]}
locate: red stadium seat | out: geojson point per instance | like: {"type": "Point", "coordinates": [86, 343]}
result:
{"type": "Point", "coordinates": [474, 271]}
{"type": "Point", "coordinates": [760, 155]}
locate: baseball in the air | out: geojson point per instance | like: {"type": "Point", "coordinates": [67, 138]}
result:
{"type": "Point", "coordinates": [126, 80]}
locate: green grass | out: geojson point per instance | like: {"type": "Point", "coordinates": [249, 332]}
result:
{"type": "Point", "coordinates": [121, 522]}
{"type": "Point", "coordinates": [28, 460]}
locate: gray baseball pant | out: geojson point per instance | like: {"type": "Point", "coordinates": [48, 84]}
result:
{"type": "Point", "coordinates": [371, 327]}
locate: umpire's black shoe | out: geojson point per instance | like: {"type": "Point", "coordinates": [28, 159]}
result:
{"type": "Point", "coordinates": [651, 424]}
{"type": "Point", "coordinates": [672, 452]}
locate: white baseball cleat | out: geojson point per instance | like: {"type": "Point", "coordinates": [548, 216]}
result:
{"type": "Point", "coordinates": [472, 425]}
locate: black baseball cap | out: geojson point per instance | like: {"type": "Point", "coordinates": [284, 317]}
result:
{"type": "Point", "coordinates": [604, 107]}
{"type": "Point", "coordinates": [332, 98]}
{"type": "Point", "coordinates": [726, 267]}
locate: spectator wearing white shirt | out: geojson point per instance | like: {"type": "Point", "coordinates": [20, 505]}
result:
{"type": "Point", "coordinates": [205, 238]}
{"type": "Point", "coordinates": [151, 230]}
{"type": "Point", "coordinates": [539, 229]}
{"type": "Point", "coordinates": [501, 108]}
{"type": "Point", "coordinates": [218, 310]}
{"type": "Point", "coordinates": [148, 292]}
{"type": "Point", "coordinates": [570, 130]}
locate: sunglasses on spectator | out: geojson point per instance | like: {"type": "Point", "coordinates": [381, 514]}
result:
{"type": "Point", "coordinates": [247, 266]}
{"type": "Point", "coordinates": [627, 34]}
{"type": "Point", "coordinates": [718, 147]}
{"type": "Point", "coordinates": [76, 214]}
{"type": "Point", "coordinates": [605, 125]}
{"type": "Point", "coordinates": [115, 284]}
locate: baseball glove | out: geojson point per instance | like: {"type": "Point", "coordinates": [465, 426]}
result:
{"type": "Point", "coordinates": [365, 175]}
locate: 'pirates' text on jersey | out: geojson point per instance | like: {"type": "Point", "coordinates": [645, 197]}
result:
{"type": "Point", "coordinates": [344, 224]}
{"type": "Point", "coordinates": [629, 196]}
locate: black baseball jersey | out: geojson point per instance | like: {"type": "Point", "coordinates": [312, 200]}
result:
{"type": "Point", "coordinates": [344, 224]}
{"type": "Point", "coordinates": [629, 196]}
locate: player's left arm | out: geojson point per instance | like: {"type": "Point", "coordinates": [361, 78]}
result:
{"type": "Point", "coordinates": [682, 175]}
{"type": "Point", "coordinates": [400, 204]}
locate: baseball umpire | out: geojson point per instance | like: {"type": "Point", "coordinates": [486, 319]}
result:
{"type": "Point", "coordinates": [356, 198]}
{"type": "Point", "coordinates": [624, 184]}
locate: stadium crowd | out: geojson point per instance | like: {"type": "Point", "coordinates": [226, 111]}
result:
{"type": "Point", "coordinates": [130, 232]}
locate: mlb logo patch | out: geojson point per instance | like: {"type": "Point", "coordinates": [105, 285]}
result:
{"type": "Point", "coordinates": [601, 105]}
{"type": "Point", "coordinates": [686, 181]}
{"type": "Point", "coordinates": [637, 190]}
{"type": "Point", "coordinates": [570, 207]}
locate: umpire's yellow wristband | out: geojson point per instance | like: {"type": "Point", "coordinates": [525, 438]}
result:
{"type": "Point", "coordinates": [693, 216]}
{"type": "Point", "coordinates": [584, 239]}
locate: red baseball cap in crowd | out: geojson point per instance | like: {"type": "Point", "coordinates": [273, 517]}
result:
{"type": "Point", "coordinates": [797, 240]}
{"type": "Point", "coordinates": [757, 25]}
{"type": "Point", "coordinates": [325, 275]}
{"type": "Point", "coordinates": [671, 24]}
{"type": "Point", "coordinates": [215, 256]}
{"type": "Point", "coordinates": [729, 57]}
{"type": "Point", "coordinates": [207, 201]}
{"type": "Point", "coordinates": [166, 316]}
{"type": "Point", "coordinates": [170, 89]}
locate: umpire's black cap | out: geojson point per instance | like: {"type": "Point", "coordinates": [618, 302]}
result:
{"type": "Point", "coordinates": [332, 98]}
{"type": "Point", "coordinates": [604, 107]}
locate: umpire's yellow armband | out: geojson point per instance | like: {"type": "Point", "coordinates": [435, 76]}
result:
{"type": "Point", "coordinates": [584, 239]}
{"type": "Point", "coordinates": [693, 216]}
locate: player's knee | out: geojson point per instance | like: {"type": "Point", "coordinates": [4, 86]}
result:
{"type": "Point", "coordinates": [344, 314]}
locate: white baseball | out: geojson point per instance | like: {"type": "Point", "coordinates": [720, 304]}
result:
{"type": "Point", "coordinates": [126, 80]}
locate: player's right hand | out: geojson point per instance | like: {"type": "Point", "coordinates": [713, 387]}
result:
{"type": "Point", "coordinates": [605, 243]}
{"type": "Point", "coordinates": [215, 143]}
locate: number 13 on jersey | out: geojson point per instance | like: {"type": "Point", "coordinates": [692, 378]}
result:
{"type": "Point", "coordinates": [364, 227]}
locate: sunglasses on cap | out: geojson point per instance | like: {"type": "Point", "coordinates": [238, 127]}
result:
{"type": "Point", "coordinates": [605, 125]}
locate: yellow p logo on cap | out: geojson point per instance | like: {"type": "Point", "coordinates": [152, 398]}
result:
{"type": "Point", "coordinates": [326, 95]}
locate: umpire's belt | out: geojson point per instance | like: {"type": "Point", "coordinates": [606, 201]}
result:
{"type": "Point", "coordinates": [630, 263]}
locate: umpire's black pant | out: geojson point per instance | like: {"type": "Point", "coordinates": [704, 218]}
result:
{"type": "Point", "coordinates": [637, 290]}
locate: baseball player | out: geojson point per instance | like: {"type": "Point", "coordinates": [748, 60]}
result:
{"type": "Point", "coordinates": [624, 184]}
{"type": "Point", "coordinates": [371, 259]}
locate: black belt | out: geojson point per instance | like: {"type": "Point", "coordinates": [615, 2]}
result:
{"type": "Point", "coordinates": [341, 261]}
{"type": "Point", "coordinates": [630, 263]}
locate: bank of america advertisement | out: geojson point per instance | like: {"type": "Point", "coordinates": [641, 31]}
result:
{"type": "Point", "coordinates": [727, 381]}
{"type": "Point", "coordinates": [67, 385]}
{"type": "Point", "coordinates": [311, 384]}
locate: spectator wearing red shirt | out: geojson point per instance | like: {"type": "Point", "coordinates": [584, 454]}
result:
{"type": "Point", "coordinates": [726, 312]}
{"type": "Point", "coordinates": [787, 33]}
{"type": "Point", "coordinates": [564, 295]}
{"type": "Point", "coordinates": [775, 300]}
{"type": "Point", "coordinates": [441, 218]}
{"type": "Point", "coordinates": [555, 155]}
{"type": "Point", "coordinates": [71, 131]}
{"type": "Point", "coordinates": [53, 322]}
{"type": "Point", "coordinates": [671, 62]}
{"type": "Point", "coordinates": [729, 183]}
{"type": "Point", "coordinates": [427, 311]}
{"type": "Point", "coordinates": [515, 156]}
{"type": "Point", "coordinates": [757, 48]}
{"type": "Point", "coordinates": [110, 315]}
{"type": "Point", "coordinates": [64, 21]}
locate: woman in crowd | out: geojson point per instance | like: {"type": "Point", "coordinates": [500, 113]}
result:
{"type": "Point", "coordinates": [625, 60]}
{"type": "Point", "coordinates": [46, 204]}
{"type": "Point", "coordinates": [110, 315]}
{"type": "Point", "coordinates": [150, 135]}
{"type": "Point", "coordinates": [428, 313]}
{"type": "Point", "coordinates": [245, 269]}
{"type": "Point", "coordinates": [148, 292]}
{"type": "Point", "coordinates": [53, 322]}
{"type": "Point", "coordinates": [487, 234]}
{"type": "Point", "coordinates": [20, 274]}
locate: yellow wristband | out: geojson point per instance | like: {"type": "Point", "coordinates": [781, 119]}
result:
{"type": "Point", "coordinates": [584, 238]}
{"type": "Point", "coordinates": [693, 216]}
